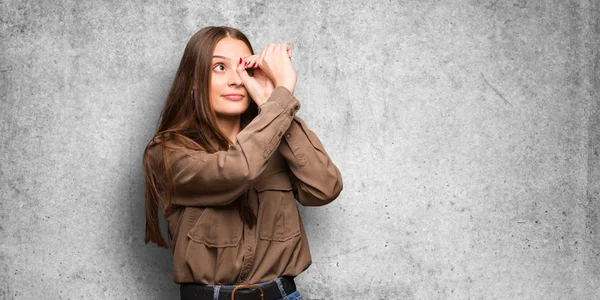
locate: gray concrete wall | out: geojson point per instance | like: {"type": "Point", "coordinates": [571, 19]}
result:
{"type": "Point", "coordinates": [467, 133]}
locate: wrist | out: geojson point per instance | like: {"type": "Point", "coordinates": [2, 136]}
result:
{"type": "Point", "coordinates": [282, 96]}
{"type": "Point", "coordinates": [288, 86]}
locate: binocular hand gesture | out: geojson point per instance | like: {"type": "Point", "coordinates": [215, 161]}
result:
{"type": "Point", "coordinates": [271, 68]}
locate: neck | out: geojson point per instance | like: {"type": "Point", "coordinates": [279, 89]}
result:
{"type": "Point", "coordinates": [229, 126]}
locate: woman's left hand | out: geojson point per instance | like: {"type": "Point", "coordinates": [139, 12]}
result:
{"type": "Point", "coordinates": [252, 60]}
{"type": "Point", "coordinates": [261, 77]}
{"type": "Point", "coordinates": [259, 86]}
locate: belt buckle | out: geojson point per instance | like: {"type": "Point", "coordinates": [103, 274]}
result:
{"type": "Point", "coordinates": [247, 286]}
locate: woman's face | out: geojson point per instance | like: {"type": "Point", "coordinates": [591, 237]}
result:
{"type": "Point", "coordinates": [228, 97]}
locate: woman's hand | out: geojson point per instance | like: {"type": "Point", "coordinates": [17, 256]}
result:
{"type": "Point", "coordinates": [272, 67]}
{"type": "Point", "coordinates": [259, 86]}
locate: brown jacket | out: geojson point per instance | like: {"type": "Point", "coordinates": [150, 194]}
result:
{"type": "Point", "coordinates": [275, 161]}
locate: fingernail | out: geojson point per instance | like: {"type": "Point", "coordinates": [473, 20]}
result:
{"type": "Point", "coordinates": [240, 61]}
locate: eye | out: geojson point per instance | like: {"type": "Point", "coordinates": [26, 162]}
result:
{"type": "Point", "coordinates": [219, 67]}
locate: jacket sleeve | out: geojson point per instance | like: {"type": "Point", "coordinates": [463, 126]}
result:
{"type": "Point", "coordinates": [316, 179]}
{"type": "Point", "coordinates": [209, 179]}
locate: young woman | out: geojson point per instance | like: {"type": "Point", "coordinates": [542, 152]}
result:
{"type": "Point", "coordinates": [226, 166]}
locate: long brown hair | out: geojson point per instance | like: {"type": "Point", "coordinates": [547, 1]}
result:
{"type": "Point", "coordinates": [188, 120]}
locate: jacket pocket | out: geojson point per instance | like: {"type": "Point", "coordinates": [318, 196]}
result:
{"type": "Point", "coordinates": [218, 226]}
{"type": "Point", "coordinates": [278, 213]}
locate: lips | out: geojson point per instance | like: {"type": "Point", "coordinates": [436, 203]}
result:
{"type": "Point", "coordinates": [233, 97]}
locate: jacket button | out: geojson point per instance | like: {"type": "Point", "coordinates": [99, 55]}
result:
{"type": "Point", "coordinates": [288, 135]}
{"type": "Point", "coordinates": [279, 133]}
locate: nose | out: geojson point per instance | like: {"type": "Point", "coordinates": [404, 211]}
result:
{"type": "Point", "coordinates": [234, 78]}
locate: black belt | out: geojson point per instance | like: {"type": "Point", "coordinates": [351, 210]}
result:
{"type": "Point", "coordinates": [270, 291]}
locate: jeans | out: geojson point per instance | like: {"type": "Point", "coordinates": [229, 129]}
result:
{"type": "Point", "coordinates": [293, 296]}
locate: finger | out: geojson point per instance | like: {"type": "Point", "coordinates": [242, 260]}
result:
{"type": "Point", "coordinates": [261, 57]}
{"type": "Point", "coordinates": [278, 48]}
{"type": "Point", "coordinates": [242, 62]}
{"type": "Point", "coordinates": [250, 57]}
{"type": "Point", "coordinates": [255, 61]}
{"type": "Point", "coordinates": [249, 61]}
{"type": "Point", "coordinates": [246, 62]}
{"type": "Point", "coordinates": [288, 50]}
{"type": "Point", "coordinates": [281, 50]}
{"type": "Point", "coordinates": [241, 70]}
{"type": "Point", "coordinates": [269, 52]}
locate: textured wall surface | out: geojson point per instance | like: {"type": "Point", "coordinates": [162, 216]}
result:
{"type": "Point", "coordinates": [467, 134]}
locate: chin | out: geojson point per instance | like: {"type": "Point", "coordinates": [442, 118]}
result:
{"type": "Point", "coordinates": [232, 112]}
{"type": "Point", "coordinates": [229, 115]}
{"type": "Point", "coordinates": [232, 108]}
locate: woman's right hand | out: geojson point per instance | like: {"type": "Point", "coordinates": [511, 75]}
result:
{"type": "Point", "coordinates": [274, 62]}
